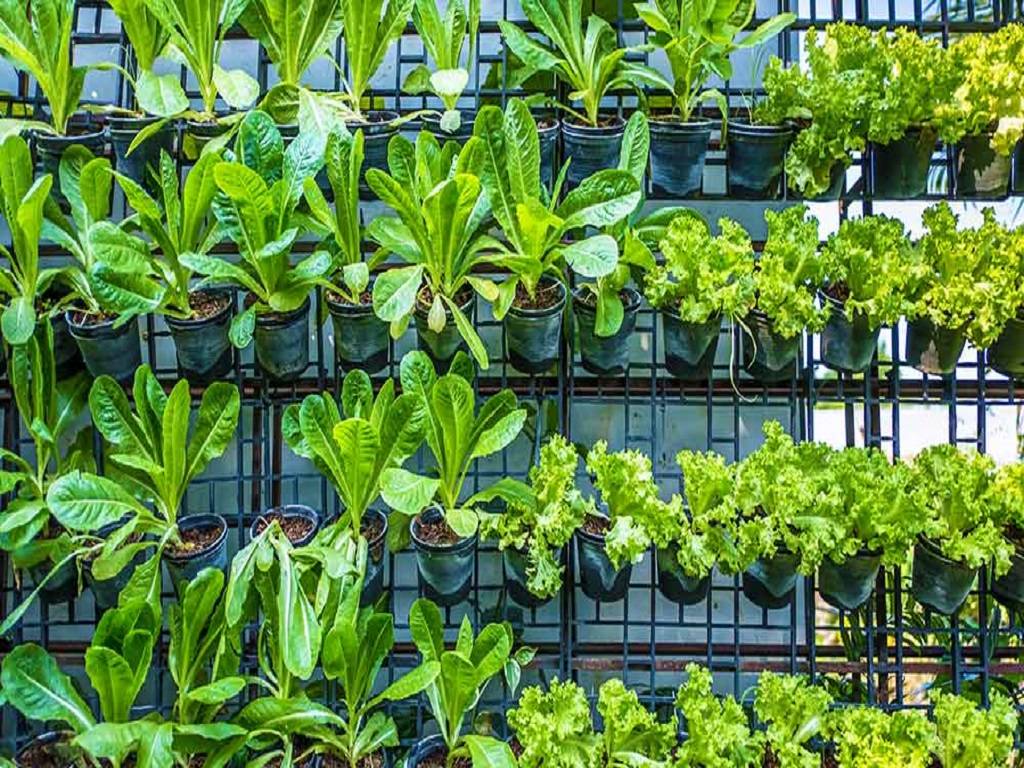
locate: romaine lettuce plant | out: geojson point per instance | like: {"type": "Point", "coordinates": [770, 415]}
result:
{"type": "Point", "coordinates": [871, 736]}
{"type": "Point", "coordinates": [968, 736]}
{"type": "Point", "coordinates": [717, 732]}
{"type": "Point", "coordinates": [554, 728]}
{"type": "Point", "coordinates": [789, 272]}
{"type": "Point", "coordinates": [370, 27]}
{"type": "Point", "coordinates": [794, 712]}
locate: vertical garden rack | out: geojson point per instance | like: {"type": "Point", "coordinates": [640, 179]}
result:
{"type": "Point", "coordinates": [881, 655]}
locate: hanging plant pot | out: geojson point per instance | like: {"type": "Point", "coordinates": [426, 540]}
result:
{"type": "Point", "coordinates": [430, 750]}
{"type": "Point", "coordinates": [836, 185]}
{"type": "Point", "coordinates": [548, 130]}
{"type": "Point", "coordinates": [1008, 589]}
{"type": "Point", "coordinates": [846, 345]}
{"type": "Point", "coordinates": [374, 528]}
{"type": "Point", "coordinates": [515, 562]}
{"type": "Point", "coordinates": [604, 355]}
{"type": "Point", "coordinates": [899, 169]}
{"type": "Point", "coordinates": [201, 342]}
{"type": "Point", "coordinates": [937, 582]}
{"type": "Point", "coordinates": [444, 561]}
{"type": "Point", "coordinates": [281, 341]}
{"type": "Point", "coordinates": [591, 148]}
{"type": "Point", "coordinates": [980, 171]}
{"type": "Point", "coordinates": [432, 124]}
{"type": "Point", "coordinates": [53, 749]}
{"type": "Point", "coordinates": [755, 158]}
{"type": "Point", "coordinates": [50, 148]}
{"type": "Point", "coordinates": [441, 347]}
{"type": "Point", "coordinates": [1006, 355]}
{"type": "Point", "coordinates": [199, 133]}
{"type": "Point", "coordinates": [599, 579]}
{"type": "Point", "coordinates": [205, 545]}
{"type": "Point", "coordinates": [107, 591]}
{"type": "Point", "coordinates": [378, 128]}
{"type": "Point", "coordinates": [533, 328]}
{"type": "Point", "coordinates": [848, 585]}
{"type": "Point", "coordinates": [933, 350]}
{"type": "Point", "coordinates": [675, 584]}
{"type": "Point", "coordinates": [678, 151]}
{"type": "Point", "coordinates": [361, 339]}
{"type": "Point", "coordinates": [768, 357]}
{"type": "Point", "coordinates": [106, 349]}
{"type": "Point", "coordinates": [771, 582]}
{"type": "Point", "coordinates": [1018, 168]}
{"type": "Point", "coordinates": [62, 587]}
{"type": "Point", "coordinates": [298, 522]}
{"type": "Point", "coordinates": [143, 165]}
{"type": "Point", "coordinates": [690, 348]}
{"type": "Point", "coordinates": [67, 359]}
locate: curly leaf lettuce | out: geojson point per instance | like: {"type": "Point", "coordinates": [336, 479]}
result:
{"type": "Point", "coordinates": [793, 711]}
{"type": "Point", "coordinates": [717, 732]}
{"type": "Point", "coordinates": [554, 727]}
{"type": "Point", "coordinates": [789, 272]}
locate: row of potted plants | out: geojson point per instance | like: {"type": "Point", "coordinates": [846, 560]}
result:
{"type": "Point", "coordinates": [554, 727]}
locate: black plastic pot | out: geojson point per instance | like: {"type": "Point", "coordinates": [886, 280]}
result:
{"type": "Point", "coordinates": [1017, 185]}
{"type": "Point", "coordinates": [591, 148]}
{"type": "Point", "coordinates": [106, 592]}
{"type": "Point", "coordinates": [755, 158]}
{"type": "Point", "coordinates": [67, 359]}
{"type": "Point", "coordinates": [107, 350]}
{"type": "Point", "coordinates": [288, 511]}
{"type": "Point", "coordinates": [423, 749]}
{"type": "Point", "coordinates": [51, 148]}
{"type": "Point", "coordinates": [690, 347]}
{"type": "Point", "coordinates": [445, 571]}
{"type": "Point", "coordinates": [182, 569]}
{"type": "Point", "coordinates": [199, 133]}
{"type": "Point", "coordinates": [836, 185]}
{"type": "Point", "coordinates": [848, 585]}
{"type": "Point", "coordinates": [202, 346]}
{"type": "Point", "coordinates": [361, 339]}
{"type": "Point", "coordinates": [441, 347]}
{"type": "Point", "coordinates": [378, 128]}
{"type": "Point", "coordinates": [604, 355]}
{"type": "Point", "coordinates": [143, 165]}
{"type": "Point", "coordinates": [1006, 355]}
{"type": "Point", "coordinates": [675, 584]}
{"type": "Point", "coordinates": [846, 345]}
{"type": "Point", "coordinates": [769, 357]}
{"type": "Point", "coordinates": [980, 171]}
{"type": "Point", "coordinates": [281, 340]}
{"type": "Point", "coordinates": [373, 580]}
{"type": "Point", "coordinates": [1008, 589]}
{"type": "Point", "coordinates": [937, 582]}
{"type": "Point", "coordinates": [515, 579]}
{"type": "Point", "coordinates": [771, 583]}
{"type": "Point", "coordinates": [899, 169]}
{"type": "Point", "coordinates": [678, 151]}
{"type": "Point", "coordinates": [59, 589]}
{"type": "Point", "coordinates": [548, 129]}
{"type": "Point", "coordinates": [599, 579]}
{"type": "Point", "coordinates": [534, 336]}
{"type": "Point", "coordinates": [60, 751]}
{"type": "Point", "coordinates": [432, 124]}
{"type": "Point", "coordinates": [933, 350]}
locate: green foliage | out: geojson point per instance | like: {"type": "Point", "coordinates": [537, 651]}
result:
{"type": "Point", "coordinates": [143, 29]}
{"type": "Point", "coordinates": [789, 273]}
{"type": "Point", "coordinates": [717, 732]}
{"type": "Point", "coordinates": [443, 39]}
{"type": "Point", "coordinates": [703, 276]}
{"type": "Point", "coordinates": [970, 737]}
{"type": "Point", "coordinates": [1006, 495]}
{"type": "Point", "coordinates": [872, 261]}
{"type": "Point", "coordinates": [706, 535]}
{"type": "Point", "coordinates": [34, 685]}
{"type": "Point", "coordinates": [793, 711]}
{"type": "Point", "coordinates": [543, 522]}
{"type": "Point", "coordinates": [371, 26]}
{"type": "Point", "coordinates": [971, 278]}
{"type": "Point", "coordinates": [554, 727]}
{"type": "Point", "coordinates": [872, 738]}
{"type": "Point", "coordinates": [584, 55]}
{"type": "Point", "coordinates": [631, 733]}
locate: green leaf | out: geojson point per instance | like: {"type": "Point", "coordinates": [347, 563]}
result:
{"type": "Point", "coordinates": [160, 95]}
{"type": "Point", "coordinates": [394, 292]}
{"type": "Point", "coordinates": [600, 200]}
{"type": "Point", "coordinates": [112, 679]}
{"type": "Point", "coordinates": [489, 752]}
{"type": "Point", "coordinates": [242, 326]}
{"type": "Point", "coordinates": [407, 492]}
{"type": "Point", "coordinates": [84, 502]}
{"type": "Point", "coordinates": [594, 257]}
{"type": "Point", "coordinates": [18, 320]}
{"type": "Point", "coordinates": [219, 691]}
{"type": "Point", "coordinates": [238, 89]}
{"type": "Point", "coordinates": [468, 332]}
{"type": "Point", "coordinates": [214, 429]}
{"type": "Point", "coordinates": [35, 686]}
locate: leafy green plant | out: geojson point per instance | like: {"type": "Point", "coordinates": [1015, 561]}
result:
{"type": "Point", "coordinates": [632, 733]}
{"type": "Point", "coordinates": [443, 39]}
{"type": "Point", "coordinates": [149, 38]}
{"type": "Point", "coordinates": [789, 272]}
{"type": "Point", "coordinates": [969, 736]}
{"type": "Point", "coordinates": [535, 226]}
{"type": "Point", "coordinates": [717, 732]}
{"type": "Point", "coordinates": [870, 736]}
{"type": "Point", "coordinates": [463, 675]}
{"type": "Point", "coordinates": [794, 712]}
{"type": "Point", "coordinates": [1006, 495]}
{"type": "Point", "coordinates": [699, 38]}
{"type": "Point", "coordinates": [586, 57]}
{"type": "Point", "coordinates": [370, 27]}
{"type": "Point", "coordinates": [703, 276]}
{"type": "Point", "coordinates": [543, 522]}
{"type": "Point", "coordinates": [554, 727]}
{"type": "Point", "coordinates": [258, 210]}
{"type": "Point", "coordinates": [872, 268]}
{"type": "Point", "coordinates": [439, 229]}
{"type": "Point", "coordinates": [702, 538]}
{"type": "Point", "coordinates": [457, 434]}
{"type": "Point", "coordinates": [355, 446]}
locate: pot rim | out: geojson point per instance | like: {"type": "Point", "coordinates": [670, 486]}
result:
{"type": "Point", "coordinates": [131, 123]}
{"type": "Point", "coordinates": [193, 322]}
{"type": "Point", "coordinates": [207, 517]}
{"type": "Point", "coordinates": [67, 140]}
{"type": "Point", "coordinates": [571, 125]}
{"type": "Point", "coordinates": [361, 122]}
{"type": "Point", "coordinates": [594, 538]}
{"type": "Point", "coordinates": [344, 308]}
{"type": "Point", "coordinates": [933, 549]}
{"type": "Point", "coordinates": [282, 319]}
{"type": "Point", "coordinates": [579, 304]}
{"type": "Point", "coordinates": [557, 307]}
{"type": "Point", "coordinates": [47, 738]}
{"type": "Point", "coordinates": [289, 510]}
{"type": "Point", "coordinates": [673, 124]}
{"type": "Point", "coordinates": [371, 543]}
{"type": "Point", "coordinates": [97, 329]}
{"type": "Point", "coordinates": [464, 307]}
{"type": "Point", "coordinates": [466, 543]}
{"type": "Point", "coordinates": [675, 315]}
{"type": "Point", "coordinates": [554, 127]}
{"type": "Point", "coordinates": [746, 128]}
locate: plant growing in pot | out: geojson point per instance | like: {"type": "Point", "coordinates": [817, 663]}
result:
{"type": "Point", "coordinates": [442, 525]}
{"type": "Point", "coordinates": [698, 39]}
{"type": "Point", "coordinates": [1006, 494]}
{"type": "Point", "coordinates": [789, 271]}
{"type": "Point", "coordinates": [440, 228]}
{"type": "Point", "coordinates": [703, 279]}
{"type": "Point", "coordinates": [587, 58]}
{"type": "Point", "coordinates": [793, 711]}
{"type": "Point", "coordinates": [443, 40]}
{"type": "Point", "coordinates": [259, 210]}
{"type": "Point", "coordinates": [969, 736]}
{"type": "Point", "coordinates": [717, 730]}
{"type": "Point", "coordinates": [958, 529]}
{"type": "Point", "coordinates": [353, 448]}
{"type": "Point", "coordinates": [871, 272]}
{"type": "Point", "coordinates": [535, 229]}
{"type": "Point", "coordinates": [865, 735]}
{"type": "Point", "coordinates": [532, 533]}
{"type": "Point", "coordinates": [455, 692]}
{"type": "Point", "coordinates": [553, 728]}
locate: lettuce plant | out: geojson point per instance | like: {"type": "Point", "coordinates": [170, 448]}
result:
{"type": "Point", "coordinates": [871, 267]}
{"type": "Point", "coordinates": [867, 736]}
{"type": "Point", "coordinates": [703, 276]}
{"type": "Point", "coordinates": [1006, 495]}
{"type": "Point", "coordinates": [370, 27]}
{"type": "Point", "coordinates": [706, 535]}
{"type": "Point", "coordinates": [717, 732]}
{"type": "Point", "coordinates": [794, 712]}
{"type": "Point", "coordinates": [543, 522]}
{"type": "Point", "coordinates": [554, 728]}
{"type": "Point", "coordinates": [789, 272]}
{"type": "Point", "coordinates": [632, 733]}
{"type": "Point", "coordinates": [969, 737]}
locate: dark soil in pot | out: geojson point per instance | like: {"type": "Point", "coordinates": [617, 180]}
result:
{"type": "Point", "coordinates": [443, 558]}
{"type": "Point", "coordinates": [431, 752]}
{"type": "Point", "coordinates": [201, 342]}
{"type": "Point", "coordinates": [533, 327]}
{"type": "Point", "coordinates": [599, 579]}
{"type": "Point", "coordinates": [361, 339]}
{"type": "Point", "coordinates": [106, 349]}
{"type": "Point", "coordinates": [755, 158]}
{"type": "Point", "coordinates": [690, 348]}
{"type": "Point", "coordinates": [548, 130]}
{"type": "Point", "coordinates": [604, 355]}
{"type": "Point", "coordinates": [591, 148]}
{"type": "Point", "coordinates": [203, 545]}
{"type": "Point", "coordinates": [199, 133]}
{"type": "Point", "coordinates": [432, 124]}
{"type": "Point", "coordinates": [931, 349]}
{"type": "Point", "coordinates": [281, 342]}
{"type": "Point", "coordinates": [51, 750]}
{"type": "Point", "coordinates": [374, 528]}
{"type": "Point", "coordinates": [1006, 355]}
{"type": "Point", "coordinates": [376, 760]}
{"type": "Point", "coordinates": [846, 345]}
{"type": "Point", "coordinates": [768, 357]}
{"type": "Point", "coordinates": [143, 164]}
{"type": "Point", "coordinates": [678, 152]}
{"type": "Point", "coordinates": [298, 522]}
{"type": "Point", "coordinates": [899, 169]}
{"type": "Point", "coordinates": [441, 347]}
{"type": "Point", "coordinates": [980, 172]}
